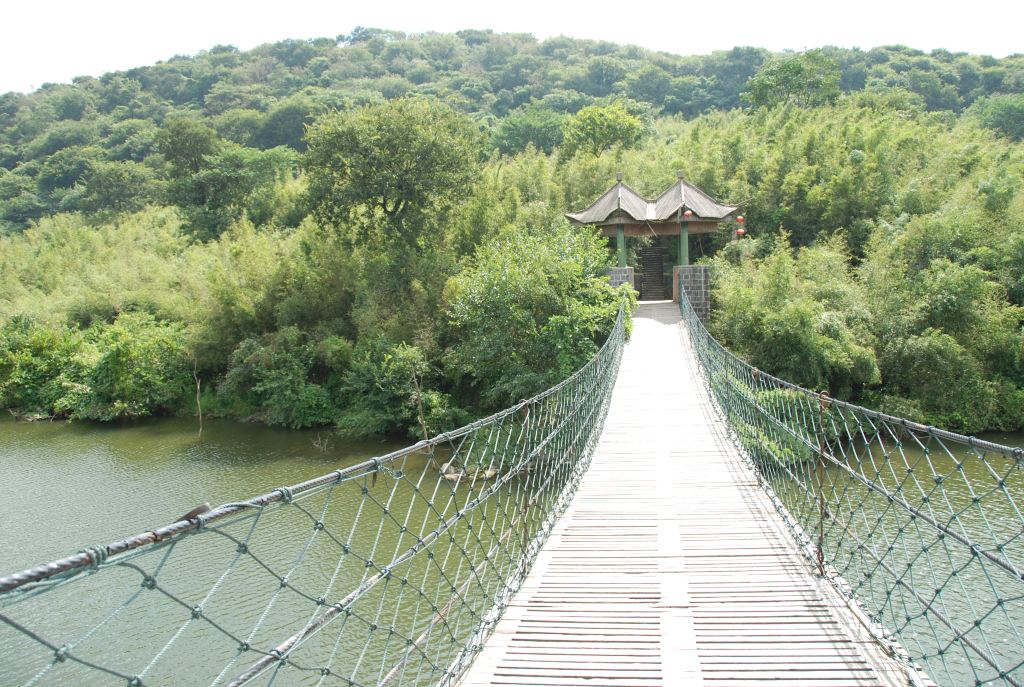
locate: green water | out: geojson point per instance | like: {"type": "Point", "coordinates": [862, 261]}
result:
{"type": "Point", "coordinates": [413, 561]}
{"type": "Point", "coordinates": [910, 575]}
{"type": "Point", "coordinates": [68, 486]}
{"type": "Point", "coordinates": [71, 486]}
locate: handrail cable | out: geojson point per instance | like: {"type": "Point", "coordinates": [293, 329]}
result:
{"type": "Point", "coordinates": [918, 527]}
{"type": "Point", "coordinates": [393, 570]}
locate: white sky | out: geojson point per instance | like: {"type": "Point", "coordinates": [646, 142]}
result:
{"type": "Point", "coordinates": [55, 40]}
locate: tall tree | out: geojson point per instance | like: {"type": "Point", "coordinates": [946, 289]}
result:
{"type": "Point", "coordinates": [185, 143]}
{"type": "Point", "coordinates": [540, 126]}
{"type": "Point", "coordinates": [598, 128]}
{"type": "Point", "coordinates": [399, 159]}
{"type": "Point", "coordinates": [807, 79]}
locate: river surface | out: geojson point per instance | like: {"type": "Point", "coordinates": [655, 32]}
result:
{"type": "Point", "coordinates": [72, 485]}
{"type": "Point", "coordinates": [901, 520]}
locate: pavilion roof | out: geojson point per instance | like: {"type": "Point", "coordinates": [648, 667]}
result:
{"type": "Point", "coordinates": [678, 198]}
{"type": "Point", "coordinates": [618, 197]}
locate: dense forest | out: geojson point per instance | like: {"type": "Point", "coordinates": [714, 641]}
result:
{"type": "Point", "coordinates": [367, 232]}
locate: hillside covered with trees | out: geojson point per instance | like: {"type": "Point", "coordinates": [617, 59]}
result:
{"type": "Point", "coordinates": [76, 147]}
{"type": "Point", "coordinates": [368, 232]}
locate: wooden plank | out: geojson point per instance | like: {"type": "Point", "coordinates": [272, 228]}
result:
{"type": "Point", "coordinates": [670, 567]}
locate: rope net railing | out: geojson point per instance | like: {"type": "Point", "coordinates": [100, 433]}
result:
{"type": "Point", "coordinates": [389, 572]}
{"type": "Point", "coordinates": [919, 528]}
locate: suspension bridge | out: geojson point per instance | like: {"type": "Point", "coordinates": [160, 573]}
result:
{"type": "Point", "coordinates": [666, 515]}
{"type": "Point", "coordinates": [670, 566]}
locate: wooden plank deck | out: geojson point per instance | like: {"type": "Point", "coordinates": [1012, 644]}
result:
{"type": "Point", "coordinates": [670, 566]}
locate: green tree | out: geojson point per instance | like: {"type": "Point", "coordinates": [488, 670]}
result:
{"type": "Point", "coordinates": [36, 365]}
{"type": "Point", "coordinates": [943, 377]}
{"type": "Point", "coordinates": [602, 74]}
{"type": "Point", "coordinates": [796, 316]}
{"type": "Point", "coordinates": [937, 95]}
{"type": "Point", "coordinates": [650, 83]}
{"type": "Point", "coordinates": [546, 286]}
{"type": "Point", "coordinates": [1004, 114]}
{"type": "Point", "coordinates": [20, 201]}
{"type": "Point", "coordinates": [240, 282]}
{"type": "Point", "coordinates": [403, 157]}
{"type": "Point", "coordinates": [137, 367]}
{"type": "Point", "coordinates": [274, 379]}
{"type": "Point", "coordinates": [60, 135]}
{"type": "Point", "coordinates": [109, 188]}
{"type": "Point", "coordinates": [185, 143]}
{"type": "Point", "coordinates": [228, 183]}
{"type": "Point", "coordinates": [131, 139]}
{"type": "Point", "coordinates": [535, 126]}
{"type": "Point", "coordinates": [69, 102]}
{"type": "Point", "coordinates": [390, 392]}
{"type": "Point", "coordinates": [285, 123]}
{"type": "Point", "coordinates": [65, 167]}
{"type": "Point", "coordinates": [726, 72]}
{"type": "Point", "coordinates": [241, 126]}
{"type": "Point", "coordinates": [597, 128]}
{"type": "Point", "coordinates": [806, 79]}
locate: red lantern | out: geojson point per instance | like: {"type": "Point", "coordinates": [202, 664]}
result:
{"type": "Point", "coordinates": [741, 231]}
{"type": "Point", "coordinates": [741, 219]}
{"type": "Point", "coordinates": [688, 214]}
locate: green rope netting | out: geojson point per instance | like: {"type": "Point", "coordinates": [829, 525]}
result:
{"type": "Point", "coordinates": [919, 527]}
{"type": "Point", "coordinates": [392, 571]}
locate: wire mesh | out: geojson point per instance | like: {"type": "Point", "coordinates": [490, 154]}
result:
{"type": "Point", "coordinates": [919, 527]}
{"type": "Point", "coordinates": [392, 571]}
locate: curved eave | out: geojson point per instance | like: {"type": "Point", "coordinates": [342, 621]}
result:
{"type": "Point", "coordinates": [618, 199]}
{"type": "Point", "coordinates": [726, 210]}
{"type": "Point", "coordinates": [622, 205]}
{"type": "Point", "coordinates": [612, 219]}
{"type": "Point", "coordinates": [581, 219]}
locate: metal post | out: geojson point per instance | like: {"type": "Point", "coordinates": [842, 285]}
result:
{"type": "Point", "coordinates": [620, 242]}
{"type": "Point", "coordinates": [524, 564]}
{"type": "Point", "coordinates": [684, 243]}
{"type": "Point", "coordinates": [823, 404]}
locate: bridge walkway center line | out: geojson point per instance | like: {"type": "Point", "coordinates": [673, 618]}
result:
{"type": "Point", "coordinates": [670, 567]}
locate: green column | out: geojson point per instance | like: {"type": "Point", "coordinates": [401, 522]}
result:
{"type": "Point", "coordinates": [684, 243]}
{"type": "Point", "coordinates": [620, 242]}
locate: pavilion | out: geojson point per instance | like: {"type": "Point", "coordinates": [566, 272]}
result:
{"type": "Point", "coordinates": [682, 210]}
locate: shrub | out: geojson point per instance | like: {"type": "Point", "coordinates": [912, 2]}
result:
{"type": "Point", "coordinates": [531, 308]}
{"type": "Point", "coordinates": [387, 393]}
{"type": "Point", "coordinates": [37, 363]}
{"type": "Point", "coordinates": [269, 378]}
{"type": "Point", "coordinates": [137, 366]}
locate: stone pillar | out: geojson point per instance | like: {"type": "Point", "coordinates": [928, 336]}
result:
{"type": "Point", "coordinates": [622, 275]}
{"type": "Point", "coordinates": [620, 243]}
{"type": "Point", "coordinates": [696, 282]}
